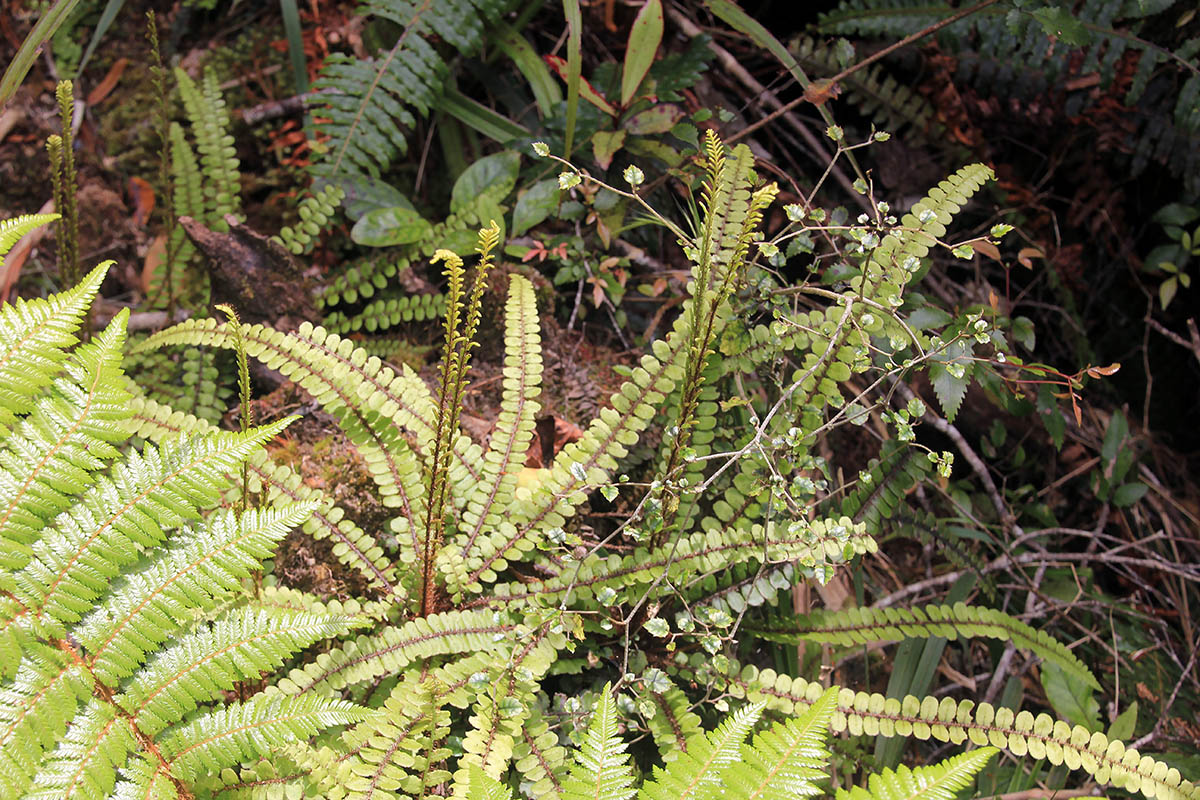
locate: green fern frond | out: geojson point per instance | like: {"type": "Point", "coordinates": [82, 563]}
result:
{"type": "Point", "coordinates": [394, 648]}
{"type": "Point", "coordinates": [33, 337]}
{"type": "Point", "coordinates": [673, 722]}
{"type": "Point", "coordinates": [539, 758]}
{"type": "Point", "coordinates": [941, 781]}
{"type": "Point", "coordinates": [206, 109]}
{"type": "Point", "coordinates": [487, 502]}
{"type": "Point", "coordinates": [69, 435]}
{"type": "Point", "coordinates": [785, 761]}
{"type": "Point", "coordinates": [702, 764]}
{"type": "Point", "coordinates": [388, 312]}
{"type": "Point", "coordinates": [254, 729]}
{"type": "Point", "coordinates": [315, 212]}
{"type": "Point", "coordinates": [1019, 733]}
{"type": "Point", "coordinates": [482, 786]}
{"type": "Point", "coordinates": [852, 626]}
{"type": "Point", "coordinates": [601, 769]}
{"type": "Point", "coordinates": [352, 546]}
{"type": "Point", "coordinates": [369, 103]}
{"type": "Point", "coordinates": [11, 230]}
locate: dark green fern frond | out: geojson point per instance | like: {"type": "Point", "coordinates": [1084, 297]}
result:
{"type": "Point", "coordinates": [854, 626]}
{"type": "Point", "coordinates": [370, 103]}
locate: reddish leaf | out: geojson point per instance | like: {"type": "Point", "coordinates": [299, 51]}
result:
{"type": "Point", "coordinates": [819, 92]}
{"type": "Point", "coordinates": [1103, 372]}
{"type": "Point", "coordinates": [154, 258]}
{"type": "Point", "coordinates": [102, 89]}
{"type": "Point", "coordinates": [142, 194]}
{"type": "Point", "coordinates": [586, 90]}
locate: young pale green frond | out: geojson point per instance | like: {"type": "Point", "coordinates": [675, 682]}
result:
{"type": "Point", "coordinates": [854, 626]}
{"type": "Point", "coordinates": [11, 230]}
{"type": "Point", "coordinates": [784, 762]}
{"type": "Point", "coordinates": [55, 452]}
{"type": "Point", "coordinates": [33, 337]}
{"type": "Point", "coordinates": [700, 767]}
{"type": "Point", "coordinates": [484, 787]}
{"type": "Point", "coordinates": [35, 709]}
{"type": "Point", "coordinates": [202, 567]}
{"type": "Point", "coordinates": [941, 781]}
{"type": "Point", "coordinates": [256, 728]}
{"type": "Point", "coordinates": [133, 507]}
{"type": "Point", "coordinates": [601, 770]}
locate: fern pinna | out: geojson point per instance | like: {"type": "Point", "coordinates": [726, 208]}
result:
{"type": "Point", "coordinates": [490, 629]}
{"type": "Point", "coordinates": [124, 620]}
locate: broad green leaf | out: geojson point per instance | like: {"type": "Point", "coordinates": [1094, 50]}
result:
{"type": "Point", "coordinates": [644, 39]}
{"type": "Point", "coordinates": [1129, 493]}
{"type": "Point", "coordinates": [1071, 699]}
{"type": "Point", "coordinates": [535, 204]}
{"type": "Point", "coordinates": [495, 174]}
{"type": "Point", "coordinates": [385, 227]}
{"type": "Point", "coordinates": [1124, 726]}
{"type": "Point", "coordinates": [365, 194]}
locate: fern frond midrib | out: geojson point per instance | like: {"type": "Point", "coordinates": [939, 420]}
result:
{"type": "Point", "coordinates": [509, 453]}
{"type": "Point", "coordinates": [362, 658]}
{"type": "Point", "coordinates": [574, 483]}
{"type": "Point", "coordinates": [374, 87]}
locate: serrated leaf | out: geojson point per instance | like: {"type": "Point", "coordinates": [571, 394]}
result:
{"type": "Point", "coordinates": [950, 390]}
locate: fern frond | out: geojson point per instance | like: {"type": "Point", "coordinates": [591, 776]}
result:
{"type": "Point", "coordinates": [673, 723]}
{"type": "Point", "coordinates": [201, 567]}
{"type": "Point", "coordinates": [254, 729]}
{"type": "Point", "coordinates": [315, 211]}
{"type": "Point", "coordinates": [33, 337]}
{"type": "Point", "coordinates": [1019, 733]}
{"type": "Point", "coordinates": [394, 648]}
{"type": "Point", "coordinates": [352, 546]}
{"type": "Point", "coordinates": [942, 781]}
{"type": "Point", "coordinates": [785, 761]}
{"type": "Point", "coordinates": [369, 103]}
{"type": "Point", "coordinates": [601, 769]}
{"type": "Point", "coordinates": [147, 494]}
{"type": "Point", "coordinates": [853, 626]}
{"type": "Point", "coordinates": [58, 449]}
{"type": "Point", "coordinates": [388, 312]}
{"type": "Point", "coordinates": [206, 109]}
{"type": "Point", "coordinates": [701, 766]}
{"type": "Point", "coordinates": [539, 758]}
{"type": "Point", "coordinates": [482, 786]}
{"type": "Point", "coordinates": [11, 230]}
{"type": "Point", "coordinates": [242, 645]}
{"type": "Point", "coordinates": [487, 502]}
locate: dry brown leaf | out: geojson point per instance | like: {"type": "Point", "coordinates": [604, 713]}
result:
{"type": "Point", "coordinates": [987, 248]}
{"type": "Point", "coordinates": [819, 92]}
